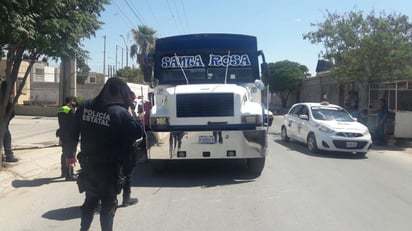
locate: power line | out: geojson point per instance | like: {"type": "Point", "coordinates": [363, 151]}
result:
{"type": "Point", "coordinates": [131, 23]}
{"type": "Point", "coordinates": [123, 14]}
{"type": "Point", "coordinates": [173, 16]}
{"type": "Point", "coordinates": [134, 12]}
{"type": "Point", "coordinates": [153, 14]}
{"type": "Point", "coordinates": [178, 16]}
{"type": "Point", "coordinates": [184, 15]}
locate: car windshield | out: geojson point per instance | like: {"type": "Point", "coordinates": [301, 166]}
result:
{"type": "Point", "coordinates": [331, 113]}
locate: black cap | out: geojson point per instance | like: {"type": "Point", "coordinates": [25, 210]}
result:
{"type": "Point", "coordinates": [71, 98]}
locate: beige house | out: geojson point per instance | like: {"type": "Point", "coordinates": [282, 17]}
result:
{"type": "Point", "coordinates": [43, 86]}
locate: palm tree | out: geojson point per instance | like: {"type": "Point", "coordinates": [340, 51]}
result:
{"type": "Point", "coordinates": [145, 43]}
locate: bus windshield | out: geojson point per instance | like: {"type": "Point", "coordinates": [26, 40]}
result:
{"type": "Point", "coordinates": [206, 75]}
{"type": "Point", "coordinates": [206, 58]}
{"type": "Point", "coordinates": [205, 68]}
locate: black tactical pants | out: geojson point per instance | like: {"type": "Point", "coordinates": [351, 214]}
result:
{"type": "Point", "coordinates": [67, 171]}
{"type": "Point", "coordinates": [102, 187]}
{"type": "Point", "coordinates": [107, 211]}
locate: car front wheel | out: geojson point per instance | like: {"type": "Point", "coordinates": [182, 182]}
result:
{"type": "Point", "coordinates": [312, 146]}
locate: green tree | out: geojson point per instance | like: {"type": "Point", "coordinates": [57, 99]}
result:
{"type": "Point", "coordinates": [145, 42]}
{"type": "Point", "coordinates": [37, 29]}
{"type": "Point", "coordinates": [82, 70]}
{"type": "Point", "coordinates": [367, 48]}
{"type": "Point", "coordinates": [132, 75]}
{"type": "Point", "coordinates": [285, 77]}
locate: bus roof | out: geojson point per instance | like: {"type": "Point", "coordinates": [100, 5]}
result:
{"type": "Point", "coordinates": [214, 41]}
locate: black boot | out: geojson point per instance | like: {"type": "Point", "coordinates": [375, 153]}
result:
{"type": "Point", "coordinates": [63, 166]}
{"type": "Point", "coordinates": [11, 159]}
{"type": "Point", "coordinates": [127, 200]}
{"type": "Point", "coordinates": [70, 175]}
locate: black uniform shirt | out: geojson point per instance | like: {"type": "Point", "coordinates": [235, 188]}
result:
{"type": "Point", "coordinates": [105, 135]}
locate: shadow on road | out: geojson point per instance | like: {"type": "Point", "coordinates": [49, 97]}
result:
{"type": "Point", "coordinates": [300, 147]}
{"type": "Point", "coordinates": [193, 173]}
{"type": "Point", "coordinates": [63, 214]}
{"type": "Point", "coordinates": [36, 182]}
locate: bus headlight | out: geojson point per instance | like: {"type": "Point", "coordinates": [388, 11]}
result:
{"type": "Point", "coordinates": [251, 119]}
{"type": "Point", "coordinates": [160, 121]}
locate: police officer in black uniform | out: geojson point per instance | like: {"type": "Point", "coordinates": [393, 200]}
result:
{"type": "Point", "coordinates": [65, 117]}
{"type": "Point", "coordinates": [130, 163]}
{"type": "Point", "coordinates": [107, 128]}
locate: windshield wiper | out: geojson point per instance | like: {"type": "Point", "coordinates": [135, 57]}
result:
{"type": "Point", "coordinates": [181, 68]}
{"type": "Point", "coordinates": [227, 64]}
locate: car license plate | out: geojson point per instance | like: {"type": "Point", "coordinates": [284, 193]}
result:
{"type": "Point", "coordinates": [207, 140]}
{"type": "Point", "coordinates": [351, 144]}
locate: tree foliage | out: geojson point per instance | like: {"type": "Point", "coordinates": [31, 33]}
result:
{"type": "Point", "coordinates": [132, 75]}
{"type": "Point", "coordinates": [82, 70]}
{"type": "Point", "coordinates": [366, 48]}
{"type": "Point", "coordinates": [42, 28]}
{"type": "Point", "coordinates": [285, 77]}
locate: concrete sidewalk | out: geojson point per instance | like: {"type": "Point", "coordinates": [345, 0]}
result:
{"type": "Point", "coordinates": [35, 145]}
{"type": "Point", "coordinates": [33, 162]}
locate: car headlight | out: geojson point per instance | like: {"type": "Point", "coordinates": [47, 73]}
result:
{"type": "Point", "coordinates": [251, 119]}
{"type": "Point", "coordinates": [365, 132]}
{"type": "Point", "coordinates": [325, 129]}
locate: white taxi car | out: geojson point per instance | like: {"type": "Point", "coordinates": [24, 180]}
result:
{"type": "Point", "coordinates": [324, 126]}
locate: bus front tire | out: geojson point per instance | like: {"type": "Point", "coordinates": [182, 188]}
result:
{"type": "Point", "coordinates": [158, 166]}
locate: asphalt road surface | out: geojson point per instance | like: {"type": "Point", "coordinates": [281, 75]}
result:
{"type": "Point", "coordinates": [296, 191]}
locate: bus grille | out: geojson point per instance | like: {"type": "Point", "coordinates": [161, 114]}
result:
{"type": "Point", "coordinates": [204, 105]}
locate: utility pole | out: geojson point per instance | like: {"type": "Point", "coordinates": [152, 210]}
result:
{"type": "Point", "coordinates": [122, 58]}
{"type": "Point", "coordinates": [104, 55]}
{"type": "Point", "coordinates": [116, 59]}
{"type": "Point", "coordinates": [127, 55]}
{"type": "Point", "coordinates": [68, 77]}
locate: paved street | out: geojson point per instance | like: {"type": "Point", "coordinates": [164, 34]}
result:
{"type": "Point", "coordinates": [296, 191]}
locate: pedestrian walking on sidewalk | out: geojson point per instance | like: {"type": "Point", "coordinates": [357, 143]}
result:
{"type": "Point", "coordinates": [65, 117]}
{"type": "Point", "coordinates": [107, 128]}
{"type": "Point", "coordinates": [382, 118]}
{"type": "Point", "coordinates": [8, 152]}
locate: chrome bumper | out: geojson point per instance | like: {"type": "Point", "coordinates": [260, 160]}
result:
{"type": "Point", "coordinates": [206, 144]}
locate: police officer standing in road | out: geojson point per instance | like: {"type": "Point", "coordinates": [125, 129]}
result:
{"type": "Point", "coordinates": [130, 163]}
{"type": "Point", "coordinates": [65, 117]}
{"type": "Point", "coordinates": [107, 128]}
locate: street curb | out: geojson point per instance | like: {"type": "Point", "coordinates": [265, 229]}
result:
{"type": "Point", "coordinates": [34, 161]}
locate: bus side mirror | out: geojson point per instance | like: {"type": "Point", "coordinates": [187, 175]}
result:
{"type": "Point", "coordinates": [259, 84]}
{"type": "Point", "coordinates": [147, 73]}
{"type": "Point", "coordinates": [265, 71]}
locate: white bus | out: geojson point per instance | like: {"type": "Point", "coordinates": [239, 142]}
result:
{"type": "Point", "coordinates": [207, 101]}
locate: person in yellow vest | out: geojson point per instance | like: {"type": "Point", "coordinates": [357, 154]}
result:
{"type": "Point", "coordinates": [65, 117]}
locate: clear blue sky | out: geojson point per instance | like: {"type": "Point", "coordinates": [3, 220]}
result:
{"type": "Point", "coordinates": [278, 25]}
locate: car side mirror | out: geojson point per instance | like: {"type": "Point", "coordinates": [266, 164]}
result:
{"type": "Point", "coordinates": [303, 117]}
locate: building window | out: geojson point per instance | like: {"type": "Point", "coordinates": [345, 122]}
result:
{"type": "Point", "coordinates": [39, 74]}
{"type": "Point", "coordinates": [92, 79]}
